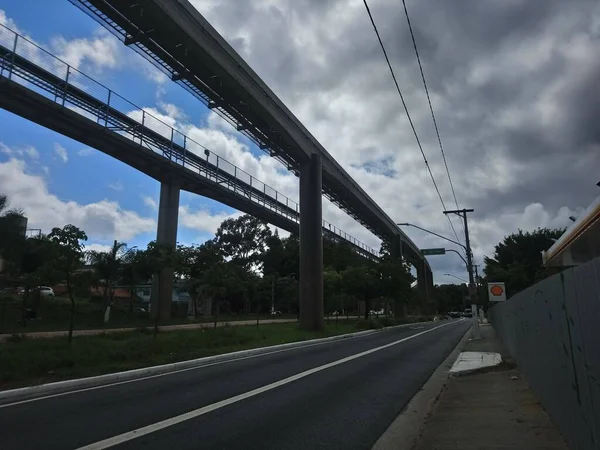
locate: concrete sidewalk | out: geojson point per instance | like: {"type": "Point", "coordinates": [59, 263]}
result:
{"type": "Point", "coordinates": [490, 409]}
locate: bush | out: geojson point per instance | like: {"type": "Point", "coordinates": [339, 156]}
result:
{"type": "Point", "coordinates": [15, 338]}
{"type": "Point", "coordinates": [387, 321]}
{"type": "Point", "coordinates": [371, 324]}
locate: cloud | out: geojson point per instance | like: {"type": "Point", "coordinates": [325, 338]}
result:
{"type": "Point", "coordinates": [61, 152]}
{"type": "Point", "coordinates": [28, 151]}
{"type": "Point", "coordinates": [117, 186]}
{"type": "Point", "coordinates": [98, 248]}
{"type": "Point", "coordinates": [85, 151]}
{"type": "Point", "coordinates": [103, 220]}
{"type": "Point", "coordinates": [513, 88]}
{"type": "Point", "coordinates": [88, 54]}
{"type": "Point", "coordinates": [8, 22]}
{"type": "Point", "coordinates": [202, 220]}
{"type": "Point", "coordinates": [150, 202]}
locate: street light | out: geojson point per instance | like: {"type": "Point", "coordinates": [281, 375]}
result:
{"type": "Point", "coordinates": [458, 278]}
{"type": "Point", "coordinates": [406, 224]}
{"type": "Point", "coordinates": [468, 261]}
{"type": "Point", "coordinates": [461, 257]}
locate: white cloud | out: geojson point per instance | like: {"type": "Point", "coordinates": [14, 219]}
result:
{"type": "Point", "coordinates": [103, 220]}
{"type": "Point", "coordinates": [61, 152]}
{"type": "Point", "coordinates": [150, 202]}
{"type": "Point", "coordinates": [32, 152]}
{"type": "Point", "coordinates": [117, 186]}
{"type": "Point", "coordinates": [96, 53]}
{"type": "Point", "coordinates": [98, 247]}
{"type": "Point", "coordinates": [85, 151]}
{"type": "Point", "coordinates": [28, 151]}
{"type": "Point", "coordinates": [8, 22]}
{"type": "Point", "coordinates": [203, 220]}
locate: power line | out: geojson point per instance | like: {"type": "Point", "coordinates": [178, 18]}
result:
{"type": "Point", "coordinates": [437, 132]}
{"type": "Point", "coordinates": [408, 115]}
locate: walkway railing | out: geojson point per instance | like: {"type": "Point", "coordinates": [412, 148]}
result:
{"type": "Point", "coordinates": [29, 65]}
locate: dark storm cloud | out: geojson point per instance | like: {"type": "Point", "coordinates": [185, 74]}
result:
{"type": "Point", "coordinates": [513, 84]}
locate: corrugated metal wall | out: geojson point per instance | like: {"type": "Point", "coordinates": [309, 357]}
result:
{"type": "Point", "coordinates": [552, 330]}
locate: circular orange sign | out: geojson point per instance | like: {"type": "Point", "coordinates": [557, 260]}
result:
{"type": "Point", "coordinates": [496, 290]}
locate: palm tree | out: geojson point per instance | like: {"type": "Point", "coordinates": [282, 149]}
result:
{"type": "Point", "coordinates": [107, 266]}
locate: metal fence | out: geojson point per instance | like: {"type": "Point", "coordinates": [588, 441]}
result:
{"type": "Point", "coordinates": [552, 330]}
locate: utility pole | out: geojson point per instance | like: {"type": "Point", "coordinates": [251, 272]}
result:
{"type": "Point", "coordinates": [472, 288]}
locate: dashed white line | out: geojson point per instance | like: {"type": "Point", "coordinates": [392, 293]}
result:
{"type": "Point", "coordinates": [139, 432]}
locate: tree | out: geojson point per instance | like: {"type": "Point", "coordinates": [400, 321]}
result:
{"type": "Point", "coordinates": [360, 282]}
{"type": "Point", "coordinates": [159, 257]}
{"type": "Point", "coordinates": [517, 259]}
{"type": "Point", "coordinates": [12, 236]}
{"type": "Point", "coordinates": [395, 284]}
{"type": "Point", "coordinates": [67, 256]}
{"type": "Point", "coordinates": [272, 260]}
{"type": "Point", "coordinates": [451, 297]}
{"type": "Point", "coordinates": [135, 269]}
{"type": "Point", "coordinates": [243, 240]}
{"type": "Point", "coordinates": [107, 265]}
{"type": "Point", "coordinates": [332, 288]}
{"type": "Point", "coordinates": [194, 263]}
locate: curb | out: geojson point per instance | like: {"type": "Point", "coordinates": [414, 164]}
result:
{"type": "Point", "coordinates": [59, 387]}
{"type": "Point", "coordinates": [404, 431]}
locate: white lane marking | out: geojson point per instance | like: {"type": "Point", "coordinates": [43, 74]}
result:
{"type": "Point", "coordinates": [93, 388]}
{"type": "Point", "coordinates": [139, 432]}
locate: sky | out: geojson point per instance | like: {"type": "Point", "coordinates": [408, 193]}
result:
{"type": "Point", "coordinates": [513, 85]}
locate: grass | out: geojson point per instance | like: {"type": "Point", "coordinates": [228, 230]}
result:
{"type": "Point", "coordinates": [31, 361]}
{"type": "Point", "coordinates": [26, 361]}
{"type": "Point", "coordinates": [54, 315]}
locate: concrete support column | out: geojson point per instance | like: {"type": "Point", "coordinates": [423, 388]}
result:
{"type": "Point", "coordinates": [311, 245]}
{"type": "Point", "coordinates": [168, 213]}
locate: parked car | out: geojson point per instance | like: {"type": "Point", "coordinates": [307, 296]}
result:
{"type": "Point", "coordinates": [46, 291]}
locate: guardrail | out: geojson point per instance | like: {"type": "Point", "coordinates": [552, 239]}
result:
{"type": "Point", "coordinates": [28, 64]}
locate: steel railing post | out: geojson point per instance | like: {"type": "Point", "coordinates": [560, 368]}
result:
{"type": "Point", "coordinates": [107, 108]}
{"type": "Point", "coordinates": [12, 57]}
{"type": "Point", "coordinates": [66, 86]}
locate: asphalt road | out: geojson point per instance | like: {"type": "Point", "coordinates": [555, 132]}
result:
{"type": "Point", "coordinates": [346, 405]}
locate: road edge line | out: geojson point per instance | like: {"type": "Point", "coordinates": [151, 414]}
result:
{"type": "Point", "coordinates": [405, 429]}
{"type": "Point", "coordinates": [70, 386]}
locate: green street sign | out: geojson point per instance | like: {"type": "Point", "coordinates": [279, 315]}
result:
{"type": "Point", "coordinates": [433, 251]}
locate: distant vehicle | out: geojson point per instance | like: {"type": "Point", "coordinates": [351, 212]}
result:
{"type": "Point", "coordinates": [454, 314]}
{"type": "Point", "coordinates": [276, 313]}
{"type": "Point", "coordinates": [45, 291]}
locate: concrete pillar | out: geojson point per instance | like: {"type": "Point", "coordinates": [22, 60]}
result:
{"type": "Point", "coordinates": [168, 213]}
{"type": "Point", "coordinates": [311, 245]}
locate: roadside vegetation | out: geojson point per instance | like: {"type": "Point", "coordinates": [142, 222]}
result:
{"type": "Point", "coordinates": [245, 271]}
{"type": "Point", "coordinates": [34, 361]}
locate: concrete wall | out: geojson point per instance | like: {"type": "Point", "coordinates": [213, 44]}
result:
{"type": "Point", "coordinates": [552, 330]}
